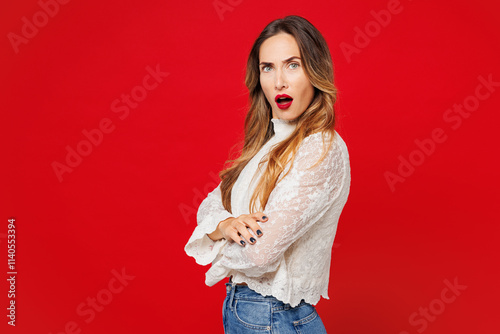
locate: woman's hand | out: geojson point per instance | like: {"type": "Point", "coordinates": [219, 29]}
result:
{"type": "Point", "coordinates": [236, 229]}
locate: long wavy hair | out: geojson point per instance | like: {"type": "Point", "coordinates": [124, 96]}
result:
{"type": "Point", "coordinates": [319, 116]}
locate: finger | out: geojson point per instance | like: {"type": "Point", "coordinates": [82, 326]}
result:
{"type": "Point", "coordinates": [234, 235]}
{"type": "Point", "coordinates": [240, 240]}
{"type": "Point", "coordinates": [253, 226]}
{"type": "Point", "coordinates": [243, 230]}
{"type": "Point", "coordinates": [260, 216]}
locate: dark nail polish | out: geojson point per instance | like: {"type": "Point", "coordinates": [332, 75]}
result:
{"type": "Point", "coordinates": [264, 217]}
{"type": "Point", "coordinates": [252, 239]}
{"type": "Point", "coordinates": [242, 242]}
{"type": "Point", "coordinates": [259, 232]}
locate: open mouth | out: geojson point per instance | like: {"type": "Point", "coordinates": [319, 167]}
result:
{"type": "Point", "coordinates": [283, 101]}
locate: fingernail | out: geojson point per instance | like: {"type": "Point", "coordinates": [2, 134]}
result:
{"type": "Point", "coordinates": [264, 217]}
{"type": "Point", "coordinates": [252, 239]}
{"type": "Point", "coordinates": [259, 232]}
{"type": "Point", "coordinates": [242, 242]}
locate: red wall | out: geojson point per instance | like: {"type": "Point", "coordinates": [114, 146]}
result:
{"type": "Point", "coordinates": [415, 109]}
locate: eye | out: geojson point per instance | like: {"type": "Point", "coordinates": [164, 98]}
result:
{"type": "Point", "coordinates": [266, 68]}
{"type": "Point", "coordinates": [294, 66]}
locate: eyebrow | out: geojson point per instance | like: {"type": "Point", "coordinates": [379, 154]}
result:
{"type": "Point", "coordinates": [285, 61]}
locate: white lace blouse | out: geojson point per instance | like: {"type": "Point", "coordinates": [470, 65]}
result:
{"type": "Point", "coordinates": [291, 261]}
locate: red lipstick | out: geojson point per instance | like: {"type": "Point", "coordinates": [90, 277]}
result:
{"type": "Point", "coordinates": [283, 101]}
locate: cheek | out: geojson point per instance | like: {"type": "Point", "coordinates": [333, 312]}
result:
{"type": "Point", "coordinates": [302, 82]}
{"type": "Point", "coordinates": [310, 92]}
{"type": "Point", "coordinates": [307, 92]}
{"type": "Point", "coordinates": [266, 88]}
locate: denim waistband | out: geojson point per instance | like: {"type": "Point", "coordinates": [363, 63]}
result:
{"type": "Point", "coordinates": [235, 291]}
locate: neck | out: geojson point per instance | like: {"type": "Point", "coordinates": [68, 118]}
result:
{"type": "Point", "coordinates": [283, 128]}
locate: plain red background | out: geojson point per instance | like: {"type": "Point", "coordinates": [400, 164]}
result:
{"type": "Point", "coordinates": [131, 202]}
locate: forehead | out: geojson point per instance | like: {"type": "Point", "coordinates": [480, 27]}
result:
{"type": "Point", "coordinates": [278, 47]}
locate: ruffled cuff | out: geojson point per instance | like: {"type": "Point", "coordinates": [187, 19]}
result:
{"type": "Point", "coordinates": [216, 273]}
{"type": "Point", "coordinates": [203, 249]}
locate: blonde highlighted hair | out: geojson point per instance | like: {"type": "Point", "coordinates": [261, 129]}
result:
{"type": "Point", "coordinates": [319, 116]}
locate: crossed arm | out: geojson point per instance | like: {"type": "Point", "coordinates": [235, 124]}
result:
{"type": "Point", "coordinates": [297, 202]}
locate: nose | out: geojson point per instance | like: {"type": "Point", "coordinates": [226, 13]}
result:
{"type": "Point", "coordinates": [280, 81]}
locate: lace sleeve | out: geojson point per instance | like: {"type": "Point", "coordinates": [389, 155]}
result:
{"type": "Point", "coordinates": [210, 213]}
{"type": "Point", "coordinates": [297, 202]}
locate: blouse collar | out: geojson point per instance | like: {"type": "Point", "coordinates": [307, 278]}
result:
{"type": "Point", "coordinates": [283, 128]}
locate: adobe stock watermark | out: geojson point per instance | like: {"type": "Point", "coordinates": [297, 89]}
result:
{"type": "Point", "coordinates": [363, 37]}
{"type": "Point", "coordinates": [425, 315]}
{"type": "Point", "coordinates": [454, 118]}
{"type": "Point", "coordinates": [190, 210]}
{"type": "Point", "coordinates": [31, 27]}
{"type": "Point", "coordinates": [223, 6]}
{"type": "Point", "coordinates": [94, 304]}
{"type": "Point", "coordinates": [121, 107]}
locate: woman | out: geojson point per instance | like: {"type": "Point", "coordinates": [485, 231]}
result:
{"type": "Point", "coordinates": [271, 222]}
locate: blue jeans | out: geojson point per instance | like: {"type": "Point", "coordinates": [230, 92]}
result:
{"type": "Point", "coordinates": [246, 311]}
